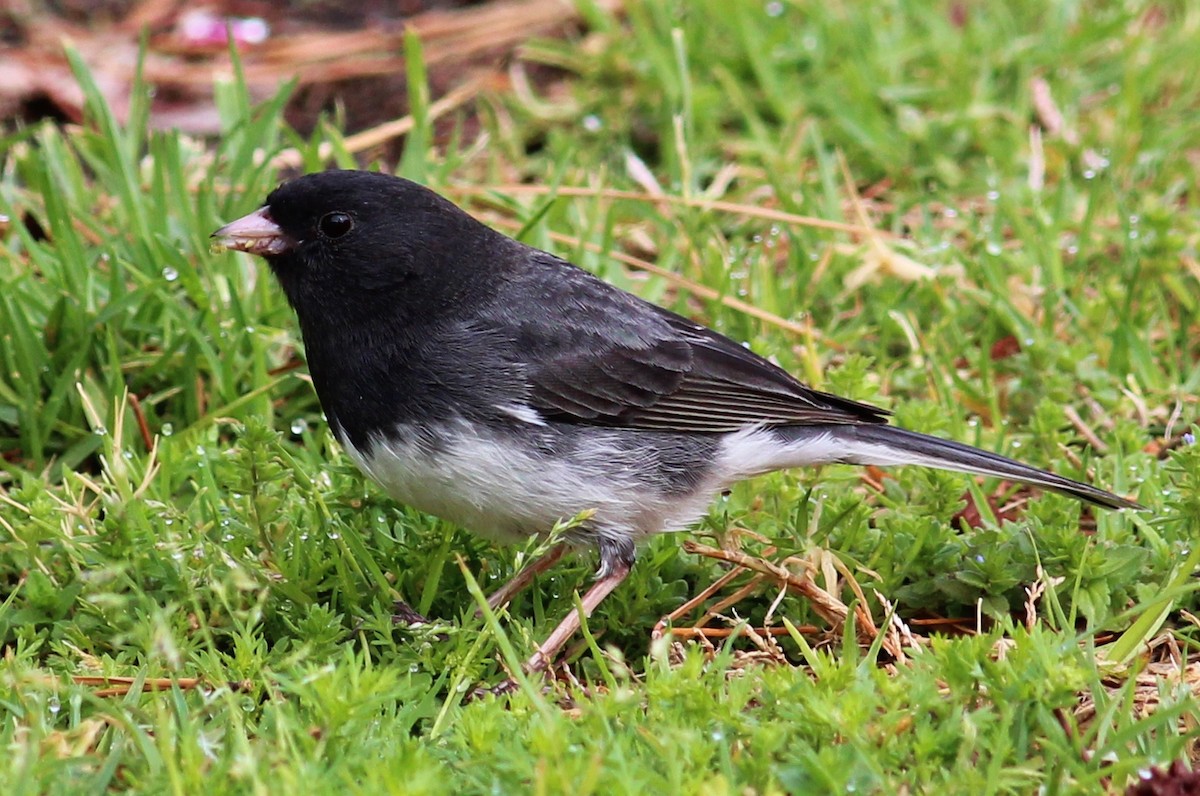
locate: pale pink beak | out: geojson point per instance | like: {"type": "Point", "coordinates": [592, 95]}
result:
{"type": "Point", "coordinates": [256, 233]}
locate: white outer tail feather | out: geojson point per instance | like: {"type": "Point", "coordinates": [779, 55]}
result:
{"type": "Point", "coordinates": [759, 450]}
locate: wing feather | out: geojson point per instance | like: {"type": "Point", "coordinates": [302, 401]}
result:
{"type": "Point", "coordinates": [613, 359]}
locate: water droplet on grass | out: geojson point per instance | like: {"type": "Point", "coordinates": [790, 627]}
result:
{"type": "Point", "coordinates": [299, 426]}
{"type": "Point", "coordinates": [170, 274]}
{"type": "Point", "coordinates": [167, 429]}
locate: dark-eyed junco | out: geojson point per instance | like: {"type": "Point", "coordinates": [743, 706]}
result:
{"type": "Point", "coordinates": [504, 389]}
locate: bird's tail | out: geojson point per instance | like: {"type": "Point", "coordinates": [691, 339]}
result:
{"type": "Point", "coordinates": [883, 445]}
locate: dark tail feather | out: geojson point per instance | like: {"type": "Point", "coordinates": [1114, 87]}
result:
{"type": "Point", "coordinates": [887, 445]}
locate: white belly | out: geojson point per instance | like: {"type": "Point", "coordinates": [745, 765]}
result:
{"type": "Point", "coordinates": [508, 493]}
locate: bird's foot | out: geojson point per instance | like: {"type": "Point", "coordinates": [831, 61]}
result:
{"type": "Point", "coordinates": [405, 614]}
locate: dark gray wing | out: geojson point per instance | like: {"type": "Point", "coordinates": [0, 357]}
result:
{"type": "Point", "coordinates": [592, 353]}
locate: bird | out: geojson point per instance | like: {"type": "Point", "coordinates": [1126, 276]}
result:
{"type": "Point", "coordinates": [504, 389]}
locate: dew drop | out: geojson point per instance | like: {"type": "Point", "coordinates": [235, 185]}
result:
{"type": "Point", "coordinates": [334, 535]}
{"type": "Point", "coordinates": [167, 429]}
{"type": "Point", "coordinates": [993, 248]}
{"type": "Point", "coordinates": [592, 123]}
{"type": "Point", "coordinates": [992, 196]}
{"type": "Point", "coordinates": [170, 274]}
{"type": "Point", "coordinates": [299, 426]}
{"type": "Point", "coordinates": [100, 431]}
{"type": "Point", "coordinates": [53, 705]}
{"type": "Point", "coordinates": [200, 450]}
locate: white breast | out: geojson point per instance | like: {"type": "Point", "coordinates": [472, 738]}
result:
{"type": "Point", "coordinates": [508, 492]}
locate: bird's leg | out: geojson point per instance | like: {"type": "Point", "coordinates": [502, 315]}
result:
{"type": "Point", "coordinates": [405, 614]}
{"type": "Point", "coordinates": [525, 576]}
{"type": "Point", "coordinates": [571, 622]}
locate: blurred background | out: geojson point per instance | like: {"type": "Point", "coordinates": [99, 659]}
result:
{"type": "Point", "coordinates": [346, 57]}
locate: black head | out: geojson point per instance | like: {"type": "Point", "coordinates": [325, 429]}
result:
{"type": "Point", "coordinates": [355, 242]}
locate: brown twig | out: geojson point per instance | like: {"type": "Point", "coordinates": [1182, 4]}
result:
{"type": "Point", "coordinates": [120, 686]}
{"type": "Point", "coordinates": [147, 437]}
{"type": "Point", "coordinates": [1085, 430]}
{"type": "Point", "coordinates": [694, 603]}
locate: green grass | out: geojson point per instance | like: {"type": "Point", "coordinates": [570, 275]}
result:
{"type": "Point", "coordinates": [242, 548]}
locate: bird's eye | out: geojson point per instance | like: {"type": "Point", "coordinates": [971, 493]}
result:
{"type": "Point", "coordinates": [335, 224]}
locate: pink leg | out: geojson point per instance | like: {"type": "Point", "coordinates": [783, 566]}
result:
{"type": "Point", "coordinates": [570, 623]}
{"type": "Point", "coordinates": [526, 575]}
